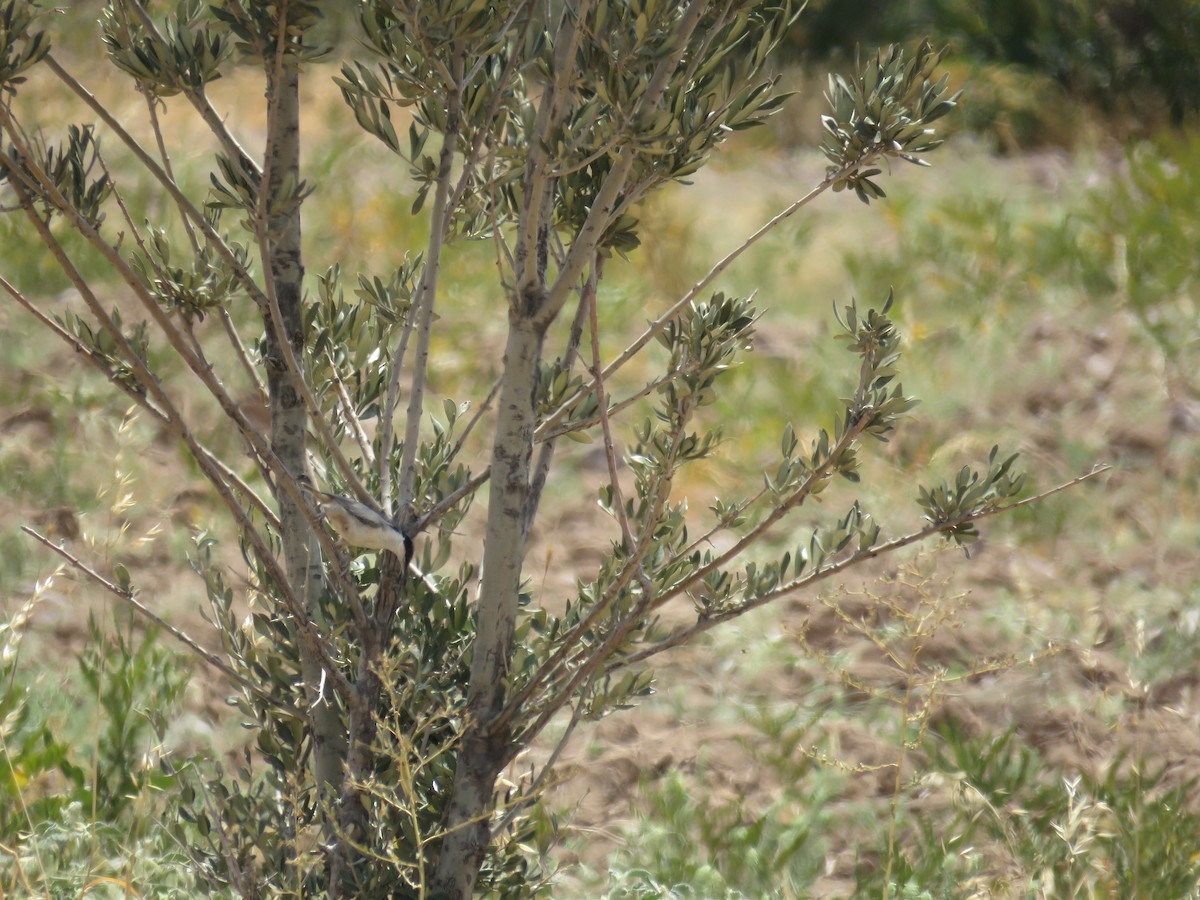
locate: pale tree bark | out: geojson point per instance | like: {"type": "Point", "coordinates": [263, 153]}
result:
{"type": "Point", "coordinates": [485, 738]}
{"type": "Point", "coordinates": [533, 308]}
{"type": "Point", "coordinates": [483, 744]}
{"type": "Point", "coordinates": [280, 238]}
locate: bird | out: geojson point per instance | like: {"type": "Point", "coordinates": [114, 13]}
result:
{"type": "Point", "coordinates": [360, 526]}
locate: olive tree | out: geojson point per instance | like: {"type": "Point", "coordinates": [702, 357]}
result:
{"type": "Point", "coordinates": [387, 687]}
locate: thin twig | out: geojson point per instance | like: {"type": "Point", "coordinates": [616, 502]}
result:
{"type": "Point", "coordinates": [474, 420]}
{"type": "Point", "coordinates": [155, 126]}
{"type": "Point", "coordinates": [235, 341]}
{"type": "Point", "coordinates": [610, 448]}
{"type": "Point", "coordinates": [656, 327]}
{"type": "Point", "coordinates": [243, 356]}
{"type": "Point", "coordinates": [45, 186]}
{"type": "Point", "coordinates": [544, 434]}
{"type": "Point", "coordinates": [592, 660]}
{"type": "Point", "coordinates": [545, 454]}
{"type": "Point", "coordinates": [423, 308]}
{"type": "Point", "coordinates": [237, 874]}
{"type": "Point", "coordinates": [469, 162]}
{"type": "Point", "coordinates": [498, 93]}
{"type": "Point", "coordinates": [447, 503]}
{"type": "Point", "coordinates": [148, 381]}
{"type": "Point", "coordinates": [98, 362]}
{"type": "Point", "coordinates": [356, 427]}
{"type": "Point", "coordinates": [387, 424]}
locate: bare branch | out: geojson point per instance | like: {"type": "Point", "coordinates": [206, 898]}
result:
{"type": "Point", "coordinates": [474, 420]}
{"type": "Point", "coordinates": [434, 513]}
{"type": "Point", "coordinates": [610, 449]}
{"type": "Point", "coordinates": [348, 415]}
{"type": "Point", "coordinates": [538, 782]}
{"type": "Point", "coordinates": [541, 469]}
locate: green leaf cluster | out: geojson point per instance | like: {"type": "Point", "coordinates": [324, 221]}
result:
{"type": "Point", "coordinates": [619, 46]}
{"type": "Point", "coordinates": [351, 339]}
{"type": "Point", "coordinates": [185, 55]}
{"type": "Point", "coordinates": [81, 782]}
{"type": "Point", "coordinates": [266, 813]}
{"type": "Point", "coordinates": [20, 47]}
{"type": "Point", "coordinates": [69, 171]}
{"type": "Point", "coordinates": [236, 185]}
{"type": "Point", "coordinates": [883, 111]}
{"type": "Point", "coordinates": [1120, 831]}
{"type": "Point", "coordinates": [197, 285]}
{"type": "Point", "coordinates": [946, 505]}
{"type": "Point", "coordinates": [112, 354]}
{"type": "Point", "coordinates": [255, 25]}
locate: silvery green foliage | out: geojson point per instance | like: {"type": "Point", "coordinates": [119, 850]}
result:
{"type": "Point", "coordinates": [885, 110]}
{"type": "Point", "coordinates": [588, 107]}
{"type": "Point", "coordinates": [70, 170]}
{"type": "Point", "coordinates": [720, 88]}
{"type": "Point", "coordinates": [950, 505]}
{"type": "Point", "coordinates": [20, 45]}
{"type": "Point", "coordinates": [187, 55]}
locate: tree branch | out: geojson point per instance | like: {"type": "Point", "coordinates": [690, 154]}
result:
{"type": "Point", "coordinates": [684, 635]}
{"type": "Point", "coordinates": [676, 309]}
{"type": "Point", "coordinates": [151, 165]}
{"type": "Point", "coordinates": [423, 311]}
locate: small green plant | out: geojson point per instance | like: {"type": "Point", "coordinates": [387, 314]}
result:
{"type": "Point", "coordinates": [1017, 823]}
{"type": "Point", "coordinates": [83, 787]}
{"type": "Point", "coordinates": [723, 847]}
{"type": "Point", "coordinates": [1134, 240]}
{"type": "Point", "coordinates": [137, 685]}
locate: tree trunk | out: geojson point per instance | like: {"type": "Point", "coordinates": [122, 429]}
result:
{"type": "Point", "coordinates": [484, 748]}
{"type": "Point", "coordinates": [289, 419]}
